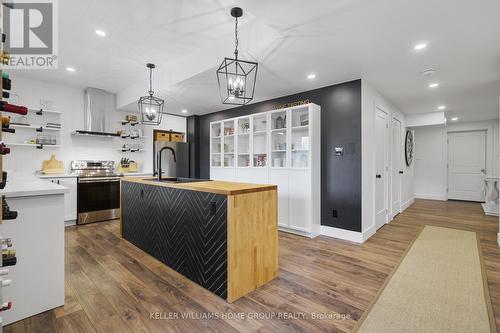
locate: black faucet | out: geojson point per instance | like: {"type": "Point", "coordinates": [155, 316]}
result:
{"type": "Point", "coordinates": [159, 159]}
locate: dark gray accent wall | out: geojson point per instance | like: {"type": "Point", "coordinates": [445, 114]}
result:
{"type": "Point", "coordinates": [340, 127]}
{"type": "Point", "coordinates": [193, 139]}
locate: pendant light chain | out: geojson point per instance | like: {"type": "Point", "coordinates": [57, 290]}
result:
{"type": "Point", "coordinates": [236, 41]}
{"type": "Point", "coordinates": [151, 92]}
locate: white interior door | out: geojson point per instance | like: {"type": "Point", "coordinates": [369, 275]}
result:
{"type": "Point", "coordinates": [396, 168]}
{"type": "Point", "coordinates": [466, 165]}
{"type": "Point", "coordinates": [381, 168]}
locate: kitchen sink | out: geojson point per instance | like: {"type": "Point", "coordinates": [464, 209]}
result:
{"type": "Point", "coordinates": [176, 180]}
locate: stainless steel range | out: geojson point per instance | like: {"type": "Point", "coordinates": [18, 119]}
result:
{"type": "Point", "coordinates": [98, 191]}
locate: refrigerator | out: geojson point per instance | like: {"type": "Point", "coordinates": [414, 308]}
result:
{"type": "Point", "coordinates": [171, 168]}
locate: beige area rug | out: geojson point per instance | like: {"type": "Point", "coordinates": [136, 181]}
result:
{"type": "Point", "coordinates": [439, 286]}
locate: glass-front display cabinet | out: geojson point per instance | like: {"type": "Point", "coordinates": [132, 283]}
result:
{"type": "Point", "coordinates": [228, 143]}
{"type": "Point", "coordinates": [243, 130]}
{"type": "Point", "coordinates": [279, 138]}
{"type": "Point", "coordinates": [260, 140]}
{"type": "Point", "coordinates": [280, 147]}
{"type": "Point", "coordinates": [216, 144]}
{"type": "Point", "coordinates": [300, 138]}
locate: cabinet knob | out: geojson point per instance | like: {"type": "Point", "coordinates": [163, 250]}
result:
{"type": "Point", "coordinates": [378, 176]}
{"type": "Point", "coordinates": [400, 172]}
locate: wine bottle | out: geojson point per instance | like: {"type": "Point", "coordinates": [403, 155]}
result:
{"type": "Point", "coordinates": [8, 254]}
{"type": "Point", "coordinates": [7, 107]}
{"type": "Point", "coordinates": [9, 262]}
{"type": "Point", "coordinates": [4, 180]}
{"type": "Point", "coordinates": [6, 242]}
{"type": "Point", "coordinates": [4, 150]}
{"type": "Point", "coordinates": [7, 214]}
{"type": "Point", "coordinates": [6, 83]}
{"type": "Point", "coordinates": [6, 125]}
{"type": "Point", "coordinates": [5, 283]}
{"type": "Point", "coordinates": [6, 306]}
{"type": "Point", "coordinates": [5, 121]}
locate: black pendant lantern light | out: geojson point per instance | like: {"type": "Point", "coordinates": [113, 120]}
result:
{"type": "Point", "coordinates": [150, 107]}
{"type": "Point", "coordinates": [236, 77]}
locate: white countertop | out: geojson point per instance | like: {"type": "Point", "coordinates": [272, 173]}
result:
{"type": "Point", "coordinates": [69, 175]}
{"type": "Point", "coordinates": [30, 187]}
{"type": "Point", "coordinates": [57, 175]}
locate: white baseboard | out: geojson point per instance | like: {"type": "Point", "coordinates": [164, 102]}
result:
{"type": "Point", "coordinates": [427, 196]}
{"type": "Point", "coordinates": [296, 232]}
{"type": "Point", "coordinates": [69, 223]}
{"type": "Point", "coordinates": [368, 233]}
{"type": "Point", "coordinates": [351, 236]}
{"type": "Point", "coordinates": [407, 204]}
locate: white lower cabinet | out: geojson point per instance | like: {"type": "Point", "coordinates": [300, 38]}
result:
{"type": "Point", "coordinates": [280, 147]}
{"type": "Point", "coordinates": [70, 197]}
{"type": "Point", "coordinates": [299, 195]}
{"type": "Point", "coordinates": [280, 178]}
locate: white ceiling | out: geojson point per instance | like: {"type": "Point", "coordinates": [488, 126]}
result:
{"type": "Point", "coordinates": [338, 40]}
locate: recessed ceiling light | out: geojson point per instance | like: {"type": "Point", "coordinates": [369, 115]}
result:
{"type": "Point", "coordinates": [434, 85]}
{"type": "Point", "coordinates": [454, 119]}
{"type": "Point", "coordinates": [100, 33]}
{"type": "Point", "coordinates": [428, 72]}
{"type": "Point", "coordinates": [442, 107]}
{"type": "Point", "coordinates": [184, 111]}
{"type": "Point", "coordinates": [70, 69]}
{"type": "Point", "coordinates": [311, 76]}
{"type": "Point", "coordinates": [420, 46]}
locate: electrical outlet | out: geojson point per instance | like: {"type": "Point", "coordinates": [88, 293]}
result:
{"type": "Point", "coordinates": [335, 213]}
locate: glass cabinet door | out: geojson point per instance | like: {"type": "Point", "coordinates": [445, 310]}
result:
{"type": "Point", "coordinates": [216, 145]}
{"type": "Point", "coordinates": [229, 143]}
{"type": "Point", "coordinates": [243, 130]}
{"type": "Point", "coordinates": [279, 139]}
{"type": "Point", "coordinates": [260, 140]}
{"type": "Point", "coordinates": [300, 138]}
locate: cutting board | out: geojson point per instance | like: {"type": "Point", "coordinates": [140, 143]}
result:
{"type": "Point", "coordinates": [132, 168]}
{"type": "Point", "coordinates": [52, 166]}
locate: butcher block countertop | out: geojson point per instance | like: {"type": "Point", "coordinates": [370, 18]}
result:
{"type": "Point", "coordinates": [215, 186]}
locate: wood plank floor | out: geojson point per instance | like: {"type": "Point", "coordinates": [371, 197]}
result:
{"type": "Point", "coordinates": [111, 286]}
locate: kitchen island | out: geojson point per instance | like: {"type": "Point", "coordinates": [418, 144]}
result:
{"type": "Point", "coordinates": [221, 235]}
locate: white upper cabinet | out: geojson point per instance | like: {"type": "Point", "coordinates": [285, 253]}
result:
{"type": "Point", "coordinates": [280, 147]}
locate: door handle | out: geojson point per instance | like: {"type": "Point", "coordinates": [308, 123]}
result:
{"type": "Point", "coordinates": [378, 176]}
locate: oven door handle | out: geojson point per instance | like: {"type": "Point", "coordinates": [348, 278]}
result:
{"type": "Point", "coordinates": [100, 180]}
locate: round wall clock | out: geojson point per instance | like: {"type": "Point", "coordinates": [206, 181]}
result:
{"type": "Point", "coordinates": [409, 148]}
